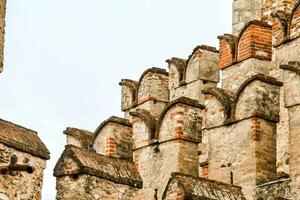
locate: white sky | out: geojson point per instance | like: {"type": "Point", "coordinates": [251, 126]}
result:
{"type": "Point", "coordinates": [65, 58]}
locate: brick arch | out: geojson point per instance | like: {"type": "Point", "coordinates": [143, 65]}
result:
{"type": "Point", "coordinates": [227, 50]}
{"type": "Point", "coordinates": [295, 15]}
{"type": "Point", "coordinates": [148, 119]}
{"type": "Point", "coordinates": [260, 77]}
{"type": "Point", "coordinates": [246, 41]}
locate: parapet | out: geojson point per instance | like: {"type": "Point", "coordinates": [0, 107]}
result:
{"type": "Point", "coordinates": [181, 119]}
{"type": "Point", "coordinates": [254, 41]}
{"type": "Point", "coordinates": [152, 85]}
{"type": "Point", "coordinates": [257, 96]}
{"type": "Point", "coordinates": [113, 137]}
{"type": "Point", "coordinates": [78, 137]}
{"type": "Point", "coordinates": [203, 64]}
{"type": "Point", "coordinates": [198, 71]}
{"type": "Point", "coordinates": [22, 139]}
{"type": "Point", "coordinates": [75, 161]}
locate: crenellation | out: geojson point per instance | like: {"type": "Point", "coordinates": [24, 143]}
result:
{"type": "Point", "coordinates": [113, 138]}
{"type": "Point", "coordinates": [185, 136]}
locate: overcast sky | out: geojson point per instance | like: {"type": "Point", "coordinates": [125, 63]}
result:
{"type": "Point", "coordinates": [65, 58]}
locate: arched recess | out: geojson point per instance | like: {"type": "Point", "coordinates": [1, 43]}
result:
{"type": "Point", "coordinates": [181, 118]}
{"type": "Point", "coordinates": [261, 100]}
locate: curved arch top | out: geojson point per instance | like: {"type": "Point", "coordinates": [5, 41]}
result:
{"type": "Point", "coordinates": [292, 66]}
{"type": "Point", "coordinates": [181, 100]}
{"type": "Point", "coordinates": [149, 120]}
{"type": "Point", "coordinates": [112, 119]}
{"type": "Point", "coordinates": [222, 97]}
{"type": "Point", "coordinates": [260, 77]}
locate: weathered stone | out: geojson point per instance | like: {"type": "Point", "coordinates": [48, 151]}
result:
{"type": "Point", "coordinates": [183, 186]}
{"type": "Point", "coordinates": [246, 134]}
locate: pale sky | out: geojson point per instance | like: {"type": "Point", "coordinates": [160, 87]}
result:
{"type": "Point", "coordinates": [65, 58]}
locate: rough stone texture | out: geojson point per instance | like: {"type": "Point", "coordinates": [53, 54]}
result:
{"type": "Point", "coordinates": [180, 130]}
{"type": "Point", "coordinates": [247, 149]}
{"type": "Point", "coordinates": [235, 75]}
{"type": "Point", "coordinates": [19, 185]}
{"type": "Point", "coordinates": [279, 189]}
{"type": "Point", "coordinates": [90, 187]}
{"type": "Point", "coordinates": [96, 176]}
{"type": "Point", "coordinates": [182, 186]}
{"type": "Point", "coordinates": [113, 137]}
{"type": "Point", "coordinates": [78, 137]}
{"type": "Point", "coordinates": [199, 71]}
{"type": "Point", "coordinates": [23, 139]}
{"type": "Point", "coordinates": [246, 134]}
{"type": "Point", "coordinates": [292, 102]}
{"type": "Point", "coordinates": [245, 11]}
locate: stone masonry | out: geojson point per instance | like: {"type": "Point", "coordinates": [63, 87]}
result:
{"type": "Point", "coordinates": [184, 136]}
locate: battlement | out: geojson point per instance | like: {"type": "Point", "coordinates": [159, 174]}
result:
{"type": "Point", "coordinates": [182, 132]}
{"type": "Point", "coordinates": [254, 41]}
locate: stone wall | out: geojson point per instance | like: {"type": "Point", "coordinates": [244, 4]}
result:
{"type": "Point", "coordinates": [179, 129]}
{"type": "Point", "coordinates": [279, 189]}
{"type": "Point", "coordinates": [21, 185]}
{"type": "Point", "coordinates": [82, 187]}
{"type": "Point", "coordinates": [114, 138]}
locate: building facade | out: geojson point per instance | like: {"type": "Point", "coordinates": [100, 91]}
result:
{"type": "Point", "coordinates": [184, 136]}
